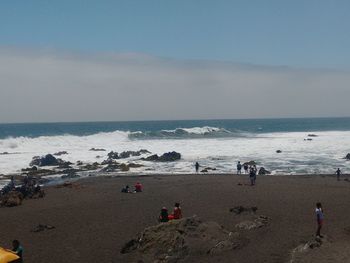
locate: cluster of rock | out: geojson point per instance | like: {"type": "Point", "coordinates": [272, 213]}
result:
{"type": "Point", "coordinates": [126, 154]}
{"type": "Point", "coordinates": [178, 239]}
{"type": "Point", "coordinates": [166, 157]}
{"type": "Point", "coordinates": [347, 157]}
{"type": "Point", "coordinates": [48, 160]}
{"type": "Point", "coordinates": [10, 199]}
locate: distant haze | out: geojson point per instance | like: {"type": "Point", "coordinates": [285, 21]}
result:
{"type": "Point", "coordinates": [49, 86]}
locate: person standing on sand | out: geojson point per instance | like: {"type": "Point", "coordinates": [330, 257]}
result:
{"type": "Point", "coordinates": [319, 218]}
{"type": "Point", "coordinates": [252, 176]}
{"type": "Point", "coordinates": [245, 167]}
{"type": "Point", "coordinates": [239, 168]}
{"type": "Point", "coordinates": [338, 172]}
{"type": "Point", "coordinates": [197, 167]}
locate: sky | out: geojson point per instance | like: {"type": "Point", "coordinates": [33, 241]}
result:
{"type": "Point", "coordinates": [145, 60]}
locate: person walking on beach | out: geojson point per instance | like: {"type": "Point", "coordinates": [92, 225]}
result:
{"type": "Point", "coordinates": [197, 167]}
{"type": "Point", "coordinates": [252, 176]}
{"type": "Point", "coordinates": [319, 218]}
{"type": "Point", "coordinates": [338, 172]}
{"type": "Point", "coordinates": [239, 168]}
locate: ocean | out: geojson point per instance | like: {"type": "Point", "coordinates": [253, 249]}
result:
{"type": "Point", "coordinates": [213, 143]}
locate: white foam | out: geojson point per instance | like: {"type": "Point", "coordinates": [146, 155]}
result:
{"type": "Point", "coordinates": [321, 155]}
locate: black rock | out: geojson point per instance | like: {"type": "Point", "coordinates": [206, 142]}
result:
{"type": "Point", "coordinates": [60, 153]}
{"type": "Point", "coordinates": [347, 157]}
{"type": "Point", "coordinates": [47, 160]}
{"type": "Point", "coordinates": [97, 150]}
{"type": "Point", "coordinates": [170, 157]}
{"type": "Point", "coordinates": [278, 151]}
{"type": "Point", "coordinates": [113, 155]}
{"type": "Point", "coordinates": [263, 171]}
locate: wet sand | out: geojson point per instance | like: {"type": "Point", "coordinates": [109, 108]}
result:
{"type": "Point", "coordinates": [94, 219]}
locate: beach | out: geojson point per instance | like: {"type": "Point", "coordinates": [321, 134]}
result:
{"type": "Point", "coordinates": [92, 219]}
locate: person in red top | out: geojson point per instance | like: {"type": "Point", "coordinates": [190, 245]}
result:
{"type": "Point", "coordinates": [138, 187]}
{"type": "Point", "coordinates": [177, 213]}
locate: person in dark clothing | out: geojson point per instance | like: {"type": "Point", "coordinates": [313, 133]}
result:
{"type": "Point", "coordinates": [164, 216]}
{"type": "Point", "coordinates": [245, 167]}
{"type": "Point", "coordinates": [252, 176]}
{"type": "Point", "coordinates": [126, 189]}
{"type": "Point", "coordinates": [197, 167]}
{"type": "Point", "coordinates": [239, 168]}
{"type": "Point", "coordinates": [18, 250]}
{"type": "Point", "coordinates": [338, 172]}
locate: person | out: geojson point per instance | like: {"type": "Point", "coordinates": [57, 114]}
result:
{"type": "Point", "coordinates": [164, 216]}
{"type": "Point", "coordinates": [319, 218]}
{"type": "Point", "coordinates": [197, 167]}
{"type": "Point", "coordinates": [177, 213]}
{"type": "Point", "coordinates": [239, 168]}
{"type": "Point", "coordinates": [126, 189]}
{"type": "Point", "coordinates": [18, 250]}
{"type": "Point", "coordinates": [338, 172]}
{"type": "Point", "coordinates": [138, 187]}
{"type": "Point", "coordinates": [245, 167]}
{"type": "Point", "coordinates": [252, 176]}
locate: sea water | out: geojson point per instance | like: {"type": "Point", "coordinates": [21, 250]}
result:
{"type": "Point", "coordinates": [213, 143]}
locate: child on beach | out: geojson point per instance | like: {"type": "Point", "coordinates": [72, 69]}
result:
{"type": "Point", "coordinates": [164, 216]}
{"type": "Point", "coordinates": [138, 187]}
{"type": "Point", "coordinates": [319, 218]}
{"type": "Point", "coordinates": [239, 168]}
{"type": "Point", "coordinates": [177, 213]}
{"type": "Point", "coordinates": [338, 172]}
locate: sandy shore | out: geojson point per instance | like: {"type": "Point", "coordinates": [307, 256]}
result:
{"type": "Point", "coordinates": [94, 219]}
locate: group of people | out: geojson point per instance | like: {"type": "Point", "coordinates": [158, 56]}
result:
{"type": "Point", "coordinates": [251, 169]}
{"type": "Point", "coordinates": [165, 216]}
{"type": "Point", "coordinates": [138, 188]}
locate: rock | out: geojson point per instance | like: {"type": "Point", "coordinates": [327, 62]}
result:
{"type": "Point", "coordinates": [204, 171]}
{"type": "Point", "coordinates": [170, 157]}
{"type": "Point", "coordinates": [33, 168]}
{"type": "Point", "coordinates": [207, 169]}
{"type": "Point", "coordinates": [97, 150]}
{"type": "Point", "coordinates": [259, 222]}
{"type": "Point", "coordinates": [263, 171]}
{"type": "Point", "coordinates": [128, 154]}
{"type": "Point", "coordinates": [113, 155]}
{"type": "Point", "coordinates": [312, 135]}
{"type": "Point", "coordinates": [153, 157]}
{"type": "Point", "coordinates": [60, 153]}
{"type": "Point", "coordinates": [79, 163]}
{"type": "Point", "coordinates": [250, 163]}
{"type": "Point", "coordinates": [108, 161]}
{"type": "Point", "coordinates": [278, 151]}
{"type": "Point", "coordinates": [308, 139]}
{"type": "Point", "coordinates": [47, 160]}
{"type": "Point", "coordinates": [347, 157]}
{"type": "Point", "coordinates": [40, 228]}
{"type": "Point", "coordinates": [4, 153]}
{"type": "Point", "coordinates": [93, 166]}
{"type": "Point", "coordinates": [65, 165]}
{"type": "Point", "coordinates": [124, 167]}
{"type": "Point", "coordinates": [11, 199]}
{"type": "Point", "coordinates": [179, 239]}
{"type": "Point", "coordinates": [241, 209]}
{"type": "Point", "coordinates": [135, 165]}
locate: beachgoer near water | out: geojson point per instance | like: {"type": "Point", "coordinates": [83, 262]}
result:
{"type": "Point", "coordinates": [126, 189]}
{"type": "Point", "coordinates": [138, 187]}
{"type": "Point", "coordinates": [239, 168]}
{"type": "Point", "coordinates": [319, 218]}
{"type": "Point", "coordinates": [245, 167]}
{"type": "Point", "coordinates": [177, 213]}
{"type": "Point", "coordinates": [338, 172]}
{"type": "Point", "coordinates": [252, 176]}
{"type": "Point", "coordinates": [197, 167]}
{"type": "Point", "coordinates": [18, 250]}
{"type": "Point", "coordinates": [164, 216]}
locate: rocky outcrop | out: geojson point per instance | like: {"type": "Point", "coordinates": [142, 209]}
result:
{"type": "Point", "coordinates": [12, 198]}
{"type": "Point", "coordinates": [112, 167]}
{"type": "Point", "coordinates": [60, 153]}
{"type": "Point", "coordinates": [97, 150]}
{"type": "Point", "coordinates": [312, 135]}
{"type": "Point", "coordinates": [126, 154]}
{"type": "Point", "coordinates": [250, 163]}
{"type": "Point", "coordinates": [207, 169]}
{"type": "Point", "coordinates": [166, 157]}
{"type": "Point", "coordinates": [263, 171]}
{"type": "Point", "coordinates": [47, 160]}
{"type": "Point", "coordinates": [347, 157]}
{"type": "Point", "coordinates": [179, 239]}
{"type": "Point", "coordinates": [278, 151]}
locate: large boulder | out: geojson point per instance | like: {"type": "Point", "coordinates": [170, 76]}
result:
{"type": "Point", "coordinates": [170, 157]}
{"type": "Point", "coordinates": [347, 157]}
{"type": "Point", "coordinates": [113, 155]}
{"type": "Point", "coordinates": [47, 160]}
{"type": "Point", "coordinates": [152, 158]}
{"type": "Point", "coordinates": [250, 163]}
{"type": "Point", "coordinates": [12, 198]}
{"type": "Point", "coordinates": [181, 239]}
{"type": "Point", "coordinates": [263, 171]}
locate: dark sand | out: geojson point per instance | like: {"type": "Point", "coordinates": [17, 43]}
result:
{"type": "Point", "coordinates": [94, 220]}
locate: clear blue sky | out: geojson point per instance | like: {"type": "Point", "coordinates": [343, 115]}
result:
{"type": "Point", "coordinates": [303, 33]}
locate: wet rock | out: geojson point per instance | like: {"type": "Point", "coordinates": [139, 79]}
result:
{"type": "Point", "coordinates": [47, 160]}
{"type": "Point", "coordinates": [113, 155]}
{"type": "Point", "coordinates": [259, 222]}
{"type": "Point", "coordinates": [207, 169]}
{"type": "Point", "coordinates": [312, 135]}
{"type": "Point", "coordinates": [79, 163]}
{"type": "Point", "coordinates": [241, 209]}
{"type": "Point", "coordinates": [93, 166]}
{"type": "Point", "coordinates": [4, 153]}
{"type": "Point", "coordinates": [347, 157]}
{"type": "Point", "coordinates": [152, 158]}
{"type": "Point", "coordinates": [135, 165]}
{"type": "Point", "coordinates": [204, 171]}
{"type": "Point", "coordinates": [166, 157]}
{"type": "Point", "coordinates": [263, 171]}
{"type": "Point", "coordinates": [278, 151]}
{"type": "Point", "coordinates": [60, 153]}
{"type": "Point", "coordinates": [128, 154]}
{"type": "Point", "coordinates": [179, 239]}
{"type": "Point", "coordinates": [30, 169]}
{"type": "Point", "coordinates": [40, 228]}
{"type": "Point", "coordinates": [250, 163]}
{"type": "Point", "coordinates": [108, 161]}
{"type": "Point", "coordinates": [97, 150]}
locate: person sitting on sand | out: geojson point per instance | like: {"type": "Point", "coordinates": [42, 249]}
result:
{"type": "Point", "coordinates": [338, 172]}
{"type": "Point", "coordinates": [138, 187]}
{"type": "Point", "coordinates": [319, 218]}
{"type": "Point", "coordinates": [239, 168]}
{"type": "Point", "coordinates": [177, 213]}
{"type": "Point", "coordinates": [164, 216]}
{"type": "Point", "coordinates": [18, 250]}
{"type": "Point", "coordinates": [126, 189]}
